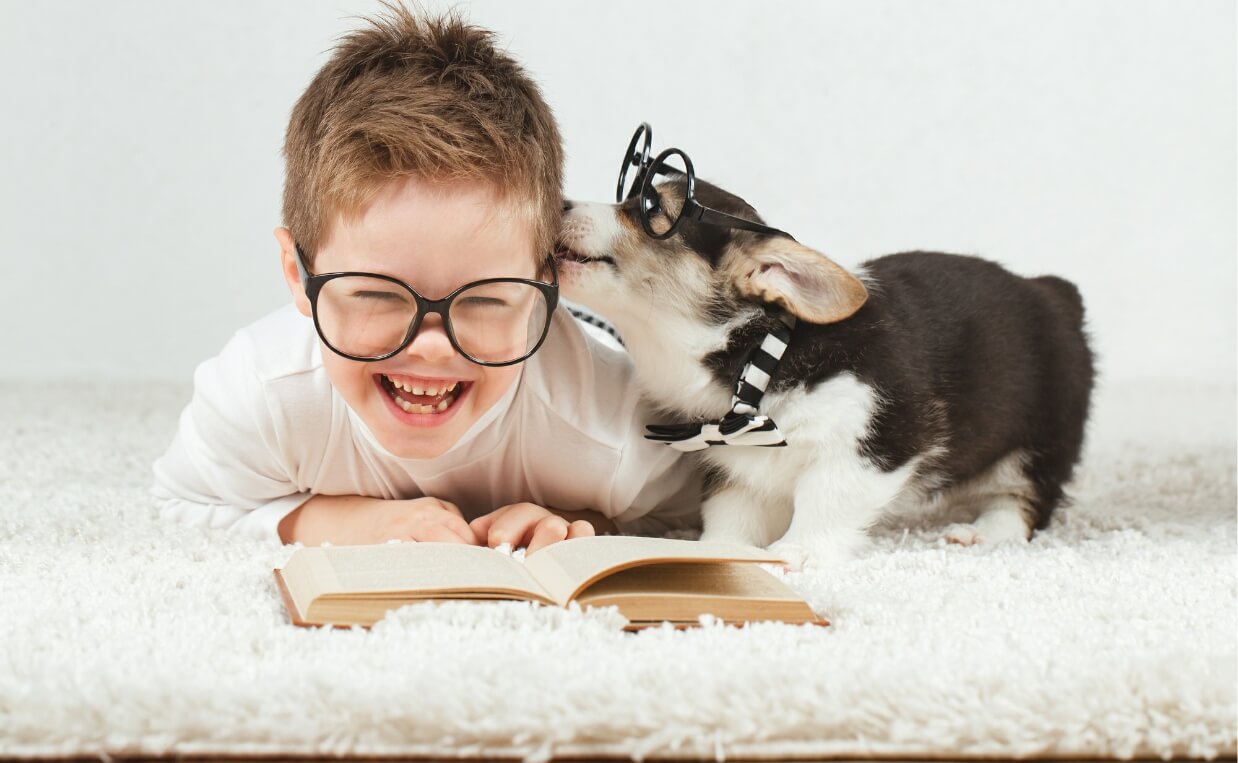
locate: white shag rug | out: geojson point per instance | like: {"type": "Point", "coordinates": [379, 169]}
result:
{"type": "Point", "coordinates": [1110, 635]}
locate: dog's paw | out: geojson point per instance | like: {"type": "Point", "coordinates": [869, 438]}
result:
{"type": "Point", "coordinates": [794, 556]}
{"type": "Point", "coordinates": [800, 555]}
{"type": "Point", "coordinates": [963, 535]}
{"type": "Point", "coordinates": [988, 530]}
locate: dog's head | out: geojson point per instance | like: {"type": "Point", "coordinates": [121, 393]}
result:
{"type": "Point", "coordinates": [703, 273]}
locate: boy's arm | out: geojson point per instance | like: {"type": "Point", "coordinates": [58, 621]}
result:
{"type": "Point", "coordinates": [225, 467]}
{"type": "Point", "coordinates": [353, 520]}
{"type": "Point", "coordinates": [258, 523]}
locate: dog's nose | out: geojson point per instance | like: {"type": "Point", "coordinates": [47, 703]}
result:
{"type": "Point", "coordinates": [567, 205]}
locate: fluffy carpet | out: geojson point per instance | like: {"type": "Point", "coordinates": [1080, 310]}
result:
{"type": "Point", "coordinates": [1112, 634]}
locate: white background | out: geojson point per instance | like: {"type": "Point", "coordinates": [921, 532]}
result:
{"type": "Point", "coordinates": [141, 169]}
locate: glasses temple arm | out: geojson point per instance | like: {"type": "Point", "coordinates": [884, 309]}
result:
{"type": "Point", "coordinates": [302, 270]}
{"type": "Point", "coordinates": [714, 217]}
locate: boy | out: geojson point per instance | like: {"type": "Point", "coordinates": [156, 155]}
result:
{"type": "Point", "coordinates": [433, 392]}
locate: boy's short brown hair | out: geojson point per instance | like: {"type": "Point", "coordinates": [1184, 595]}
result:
{"type": "Point", "coordinates": [424, 96]}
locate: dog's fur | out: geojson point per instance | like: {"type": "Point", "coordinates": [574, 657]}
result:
{"type": "Point", "coordinates": [929, 377]}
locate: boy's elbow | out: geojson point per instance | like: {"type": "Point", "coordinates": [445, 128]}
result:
{"type": "Point", "coordinates": [192, 514]}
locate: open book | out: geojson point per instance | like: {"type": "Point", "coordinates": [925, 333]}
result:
{"type": "Point", "coordinates": [650, 580]}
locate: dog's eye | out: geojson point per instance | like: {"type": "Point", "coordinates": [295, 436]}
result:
{"type": "Point", "coordinates": [651, 204]}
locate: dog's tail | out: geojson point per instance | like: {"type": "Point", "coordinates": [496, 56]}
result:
{"type": "Point", "coordinates": [1065, 295]}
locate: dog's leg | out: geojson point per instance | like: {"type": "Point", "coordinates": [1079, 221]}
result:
{"type": "Point", "coordinates": [835, 503]}
{"type": "Point", "coordinates": [1004, 495]}
{"type": "Point", "coordinates": [1002, 520]}
{"type": "Point", "coordinates": [737, 515]}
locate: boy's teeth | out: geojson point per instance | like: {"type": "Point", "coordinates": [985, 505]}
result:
{"type": "Point", "coordinates": [413, 389]}
{"type": "Point", "coordinates": [443, 404]}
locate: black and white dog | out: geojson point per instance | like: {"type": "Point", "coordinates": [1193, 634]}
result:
{"type": "Point", "coordinates": [924, 378]}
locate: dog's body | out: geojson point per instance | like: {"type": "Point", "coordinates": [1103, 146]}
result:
{"type": "Point", "coordinates": [931, 377]}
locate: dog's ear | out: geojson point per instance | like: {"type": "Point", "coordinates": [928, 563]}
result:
{"type": "Point", "coordinates": [805, 282]}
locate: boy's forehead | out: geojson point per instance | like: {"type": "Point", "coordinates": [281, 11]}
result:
{"type": "Point", "coordinates": [441, 234]}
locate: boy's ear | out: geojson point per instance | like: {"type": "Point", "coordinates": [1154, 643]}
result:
{"type": "Point", "coordinates": [288, 263]}
{"type": "Point", "coordinates": [803, 281]}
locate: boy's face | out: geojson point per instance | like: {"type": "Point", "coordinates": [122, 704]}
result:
{"type": "Point", "coordinates": [435, 238]}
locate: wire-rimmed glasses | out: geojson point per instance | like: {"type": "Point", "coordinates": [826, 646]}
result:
{"type": "Point", "coordinates": [671, 163]}
{"type": "Point", "coordinates": [636, 156]}
{"type": "Point", "coordinates": [370, 317]}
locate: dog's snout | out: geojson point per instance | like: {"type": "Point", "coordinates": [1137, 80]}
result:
{"type": "Point", "coordinates": [567, 205]}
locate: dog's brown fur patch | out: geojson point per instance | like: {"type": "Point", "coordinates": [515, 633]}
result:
{"type": "Point", "coordinates": [810, 286]}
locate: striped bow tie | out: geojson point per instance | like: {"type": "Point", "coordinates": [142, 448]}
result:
{"type": "Point", "coordinates": [742, 425]}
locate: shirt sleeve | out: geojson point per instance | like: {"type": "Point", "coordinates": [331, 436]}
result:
{"type": "Point", "coordinates": [224, 468]}
{"type": "Point", "coordinates": [660, 487]}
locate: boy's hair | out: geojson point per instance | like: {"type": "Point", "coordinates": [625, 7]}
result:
{"type": "Point", "coordinates": [430, 97]}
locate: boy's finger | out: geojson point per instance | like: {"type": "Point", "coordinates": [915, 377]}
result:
{"type": "Point", "coordinates": [580, 529]}
{"type": "Point", "coordinates": [481, 525]}
{"type": "Point", "coordinates": [460, 527]}
{"type": "Point", "coordinates": [513, 524]}
{"type": "Point", "coordinates": [550, 530]}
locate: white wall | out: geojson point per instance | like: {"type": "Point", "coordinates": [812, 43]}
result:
{"type": "Point", "coordinates": [1095, 140]}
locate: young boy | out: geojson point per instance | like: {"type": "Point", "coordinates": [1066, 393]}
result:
{"type": "Point", "coordinates": [433, 392]}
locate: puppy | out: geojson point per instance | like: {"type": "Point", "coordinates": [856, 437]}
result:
{"type": "Point", "coordinates": [922, 379]}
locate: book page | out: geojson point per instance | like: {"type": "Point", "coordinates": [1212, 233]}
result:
{"type": "Point", "coordinates": [419, 568]}
{"type": "Point", "coordinates": [721, 580]}
{"type": "Point", "coordinates": [683, 592]}
{"type": "Point", "coordinates": [566, 568]}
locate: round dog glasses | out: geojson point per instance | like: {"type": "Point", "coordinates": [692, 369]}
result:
{"type": "Point", "coordinates": [637, 156]}
{"type": "Point", "coordinates": [369, 317]}
{"type": "Point", "coordinates": [671, 163]}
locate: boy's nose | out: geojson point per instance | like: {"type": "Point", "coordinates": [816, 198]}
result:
{"type": "Point", "coordinates": [431, 342]}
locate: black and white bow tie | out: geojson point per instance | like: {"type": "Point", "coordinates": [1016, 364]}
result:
{"type": "Point", "coordinates": [743, 425]}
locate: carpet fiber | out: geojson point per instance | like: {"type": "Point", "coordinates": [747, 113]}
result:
{"type": "Point", "coordinates": [1112, 634]}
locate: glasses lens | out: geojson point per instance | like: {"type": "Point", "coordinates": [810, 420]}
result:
{"type": "Point", "coordinates": [499, 322]}
{"type": "Point", "coordinates": [634, 159]}
{"type": "Point", "coordinates": [663, 192]}
{"type": "Point", "coordinates": [365, 317]}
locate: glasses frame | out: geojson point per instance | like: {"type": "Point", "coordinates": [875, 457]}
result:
{"type": "Point", "coordinates": [634, 159]}
{"type": "Point", "coordinates": [313, 285]}
{"type": "Point", "coordinates": [692, 209]}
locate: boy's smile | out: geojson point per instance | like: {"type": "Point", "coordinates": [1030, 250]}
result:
{"type": "Point", "coordinates": [421, 402]}
{"type": "Point", "coordinates": [435, 238]}
{"type": "Point", "coordinates": [416, 395]}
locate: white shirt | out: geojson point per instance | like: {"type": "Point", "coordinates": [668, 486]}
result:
{"type": "Point", "coordinates": [266, 429]}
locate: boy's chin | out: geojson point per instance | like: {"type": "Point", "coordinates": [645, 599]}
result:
{"type": "Point", "coordinates": [422, 444]}
{"type": "Point", "coordinates": [425, 442]}
{"type": "Point", "coordinates": [420, 436]}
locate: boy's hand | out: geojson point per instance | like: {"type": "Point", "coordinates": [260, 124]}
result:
{"type": "Point", "coordinates": [527, 524]}
{"type": "Point", "coordinates": [426, 519]}
{"type": "Point", "coordinates": [356, 520]}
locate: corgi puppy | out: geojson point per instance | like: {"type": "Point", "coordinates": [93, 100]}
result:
{"type": "Point", "coordinates": [919, 380]}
